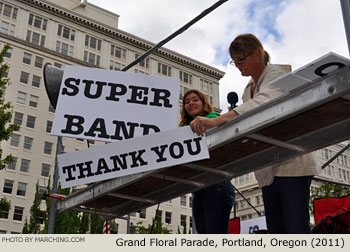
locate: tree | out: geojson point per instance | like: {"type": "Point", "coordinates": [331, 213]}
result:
{"type": "Point", "coordinates": [327, 190]}
{"type": "Point", "coordinates": [35, 215]}
{"type": "Point", "coordinates": [84, 224]}
{"type": "Point", "coordinates": [96, 224]}
{"type": "Point", "coordinates": [157, 229]}
{"type": "Point", "coordinates": [6, 127]}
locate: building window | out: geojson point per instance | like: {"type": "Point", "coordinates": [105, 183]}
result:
{"type": "Point", "coordinates": [186, 77]}
{"type": "Point", "coordinates": [48, 148]}
{"type": "Point", "coordinates": [64, 48]}
{"type": "Point", "coordinates": [39, 62]}
{"type": "Point", "coordinates": [41, 217]}
{"type": "Point", "coordinates": [92, 58]}
{"type": "Point", "coordinates": [183, 220]}
{"type": "Point", "coordinates": [93, 43]}
{"type": "Point", "coordinates": [18, 118]}
{"type": "Point", "coordinates": [258, 200]}
{"type": "Point", "coordinates": [21, 97]}
{"type": "Point", "coordinates": [8, 11]}
{"type": "Point", "coordinates": [58, 65]}
{"type": "Point", "coordinates": [159, 214]}
{"type": "Point", "coordinates": [28, 142]}
{"type": "Point", "coordinates": [243, 204]}
{"type": "Point", "coordinates": [8, 54]}
{"type": "Point", "coordinates": [35, 38]}
{"type": "Point", "coordinates": [183, 201]}
{"type": "Point", "coordinates": [143, 63]}
{"type": "Point", "coordinates": [51, 108]}
{"type": "Point", "coordinates": [8, 186]}
{"type": "Point", "coordinates": [143, 213]}
{"type": "Point", "coordinates": [190, 201]}
{"type": "Point", "coordinates": [118, 52]}
{"type": "Point", "coordinates": [24, 77]}
{"type": "Point", "coordinates": [37, 22]}
{"type": "Point", "coordinates": [66, 32]}
{"type": "Point", "coordinates": [18, 213]}
{"type": "Point", "coordinates": [5, 215]}
{"type": "Point", "coordinates": [115, 65]}
{"type": "Point", "coordinates": [25, 163]}
{"type": "Point", "coordinates": [12, 166]}
{"type": "Point", "coordinates": [42, 190]}
{"type": "Point", "coordinates": [45, 170]}
{"type": "Point", "coordinates": [30, 121]}
{"type": "Point", "coordinates": [191, 222]}
{"type": "Point", "coordinates": [5, 74]}
{"type": "Point", "coordinates": [206, 86]}
{"type": "Point", "coordinates": [36, 81]}
{"type": "Point", "coordinates": [27, 58]}
{"type": "Point", "coordinates": [15, 140]}
{"type": "Point", "coordinates": [168, 217]}
{"type": "Point", "coordinates": [7, 28]}
{"type": "Point", "coordinates": [21, 190]}
{"type": "Point", "coordinates": [164, 69]}
{"type": "Point", "coordinates": [48, 126]}
{"type": "Point", "coordinates": [33, 102]}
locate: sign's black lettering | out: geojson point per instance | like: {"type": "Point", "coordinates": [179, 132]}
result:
{"type": "Point", "coordinates": [160, 153]}
{"type": "Point", "coordinates": [74, 121]}
{"type": "Point", "coordinates": [71, 83]}
{"type": "Point", "coordinates": [320, 71]}
{"type": "Point", "coordinates": [98, 86]}
{"type": "Point", "coordinates": [85, 167]}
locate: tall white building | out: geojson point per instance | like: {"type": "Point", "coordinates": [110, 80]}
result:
{"type": "Point", "coordinates": [71, 32]}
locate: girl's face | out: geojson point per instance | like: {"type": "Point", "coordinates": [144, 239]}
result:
{"type": "Point", "coordinates": [193, 105]}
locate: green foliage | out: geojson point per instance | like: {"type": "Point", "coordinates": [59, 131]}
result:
{"type": "Point", "coordinates": [70, 222]}
{"type": "Point", "coordinates": [84, 224]}
{"type": "Point", "coordinates": [96, 224]}
{"type": "Point", "coordinates": [25, 229]}
{"type": "Point", "coordinates": [6, 128]}
{"type": "Point", "coordinates": [5, 206]}
{"type": "Point", "coordinates": [327, 190]}
{"type": "Point", "coordinates": [67, 222]}
{"type": "Point", "coordinates": [157, 229]}
{"type": "Point", "coordinates": [34, 222]}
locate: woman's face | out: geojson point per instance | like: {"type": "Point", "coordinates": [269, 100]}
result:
{"type": "Point", "coordinates": [193, 105]}
{"type": "Point", "coordinates": [246, 63]}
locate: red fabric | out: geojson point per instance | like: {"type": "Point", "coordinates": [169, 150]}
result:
{"type": "Point", "coordinates": [330, 206]}
{"type": "Point", "coordinates": [234, 226]}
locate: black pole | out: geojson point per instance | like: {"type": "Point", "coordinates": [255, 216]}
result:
{"type": "Point", "coordinates": [335, 156]}
{"type": "Point", "coordinates": [179, 31]}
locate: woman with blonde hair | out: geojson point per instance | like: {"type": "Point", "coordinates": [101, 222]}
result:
{"type": "Point", "coordinates": [212, 205]}
{"type": "Point", "coordinates": [285, 186]}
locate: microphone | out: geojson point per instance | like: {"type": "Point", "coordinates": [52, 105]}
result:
{"type": "Point", "coordinates": [232, 98]}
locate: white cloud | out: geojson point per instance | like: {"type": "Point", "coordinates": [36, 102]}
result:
{"type": "Point", "coordinates": [308, 29]}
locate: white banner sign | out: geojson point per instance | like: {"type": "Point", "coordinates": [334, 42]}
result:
{"type": "Point", "coordinates": [253, 225]}
{"type": "Point", "coordinates": [108, 105]}
{"type": "Point", "coordinates": [131, 156]}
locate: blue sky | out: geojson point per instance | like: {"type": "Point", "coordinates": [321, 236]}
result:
{"type": "Point", "coordinates": [293, 31]}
